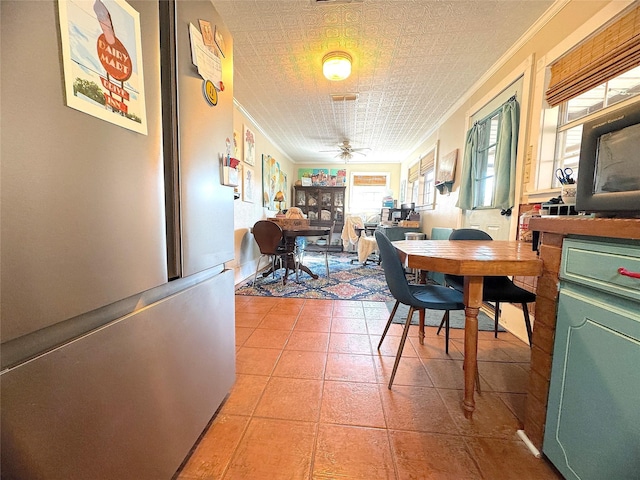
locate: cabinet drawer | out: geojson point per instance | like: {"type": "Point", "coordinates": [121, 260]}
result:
{"type": "Point", "coordinates": [596, 264]}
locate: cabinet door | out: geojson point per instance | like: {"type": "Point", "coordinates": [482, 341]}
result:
{"type": "Point", "coordinates": [313, 200]}
{"type": "Point", "coordinates": [338, 215]}
{"type": "Point", "coordinates": [593, 415]}
{"type": "Point", "coordinates": [326, 199]}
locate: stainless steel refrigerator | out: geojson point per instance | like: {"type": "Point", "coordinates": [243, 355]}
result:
{"type": "Point", "coordinates": [117, 312]}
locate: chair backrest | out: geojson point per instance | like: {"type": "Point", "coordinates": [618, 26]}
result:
{"type": "Point", "coordinates": [349, 235]}
{"type": "Point", "coordinates": [465, 234]}
{"type": "Point", "coordinates": [393, 270]}
{"type": "Point", "coordinates": [469, 234]}
{"type": "Point", "coordinates": [268, 236]}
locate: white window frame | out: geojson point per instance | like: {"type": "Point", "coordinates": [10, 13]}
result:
{"type": "Point", "coordinates": [486, 155]}
{"type": "Point", "coordinates": [356, 193]}
{"type": "Point", "coordinates": [428, 184]}
{"type": "Point", "coordinates": [422, 192]}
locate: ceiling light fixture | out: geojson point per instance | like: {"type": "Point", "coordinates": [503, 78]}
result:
{"type": "Point", "coordinates": [336, 66]}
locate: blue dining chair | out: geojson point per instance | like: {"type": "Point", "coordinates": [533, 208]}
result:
{"type": "Point", "coordinates": [416, 297]}
{"type": "Point", "coordinates": [494, 289]}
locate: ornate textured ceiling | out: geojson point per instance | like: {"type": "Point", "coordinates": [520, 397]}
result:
{"type": "Point", "coordinates": [412, 61]}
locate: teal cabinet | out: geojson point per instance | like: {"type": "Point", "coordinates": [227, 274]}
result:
{"type": "Point", "coordinates": [593, 414]}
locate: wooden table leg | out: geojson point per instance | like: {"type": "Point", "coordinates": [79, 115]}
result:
{"type": "Point", "coordinates": [421, 327]}
{"type": "Point", "coordinates": [472, 301]}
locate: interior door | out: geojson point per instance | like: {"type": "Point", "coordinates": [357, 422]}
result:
{"type": "Point", "coordinates": [491, 220]}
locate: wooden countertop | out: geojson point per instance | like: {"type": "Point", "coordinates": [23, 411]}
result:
{"type": "Point", "coordinates": [595, 227]}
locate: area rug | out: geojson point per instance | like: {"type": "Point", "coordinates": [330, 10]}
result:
{"type": "Point", "coordinates": [434, 317]}
{"type": "Point", "coordinates": [347, 281]}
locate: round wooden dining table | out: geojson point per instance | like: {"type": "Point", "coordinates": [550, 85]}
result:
{"type": "Point", "coordinates": [290, 234]}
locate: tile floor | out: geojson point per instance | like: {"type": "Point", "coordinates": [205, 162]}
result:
{"type": "Point", "coordinates": [311, 401]}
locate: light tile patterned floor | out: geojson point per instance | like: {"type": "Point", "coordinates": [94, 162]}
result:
{"type": "Point", "coordinates": [311, 401]}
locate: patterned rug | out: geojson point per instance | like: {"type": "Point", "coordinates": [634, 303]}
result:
{"type": "Point", "coordinates": [347, 281]}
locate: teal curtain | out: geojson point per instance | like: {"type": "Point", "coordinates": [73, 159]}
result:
{"type": "Point", "coordinates": [506, 155]}
{"type": "Point", "coordinates": [469, 163]}
{"type": "Point", "coordinates": [505, 161]}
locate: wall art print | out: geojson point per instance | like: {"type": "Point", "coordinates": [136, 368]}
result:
{"type": "Point", "coordinates": [273, 180]}
{"type": "Point", "coordinates": [324, 177]}
{"type": "Point", "coordinates": [248, 185]}
{"type": "Point", "coordinates": [249, 146]}
{"type": "Point", "coordinates": [102, 59]}
{"type": "Point", "coordinates": [237, 190]}
{"type": "Point", "coordinates": [447, 167]}
{"type": "Point", "coordinates": [237, 144]}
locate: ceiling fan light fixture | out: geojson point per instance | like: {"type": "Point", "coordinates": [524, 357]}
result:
{"type": "Point", "coordinates": [336, 66]}
{"type": "Point", "coordinates": [345, 156]}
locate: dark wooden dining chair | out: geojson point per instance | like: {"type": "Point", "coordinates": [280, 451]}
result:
{"type": "Point", "coordinates": [304, 247]}
{"type": "Point", "coordinates": [268, 236]}
{"type": "Point", "coordinates": [416, 297]}
{"type": "Point", "coordinates": [494, 289]}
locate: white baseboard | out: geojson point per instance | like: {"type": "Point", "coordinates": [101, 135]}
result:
{"type": "Point", "coordinates": [532, 448]}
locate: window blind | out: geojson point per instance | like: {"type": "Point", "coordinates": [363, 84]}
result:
{"type": "Point", "coordinates": [609, 52]}
{"type": "Point", "coordinates": [427, 162]}
{"type": "Point", "coordinates": [414, 172]}
{"type": "Point", "coordinates": [370, 180]}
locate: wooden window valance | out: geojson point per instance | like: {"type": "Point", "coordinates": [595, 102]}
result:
{"type": "Point", "coordinates": [609, 52]}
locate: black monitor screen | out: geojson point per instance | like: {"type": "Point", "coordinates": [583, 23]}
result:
{"type": "Point", "coordinates": [618, 161]}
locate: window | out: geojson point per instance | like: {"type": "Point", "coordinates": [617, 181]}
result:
{"type": "Point", "coordinates": [571, 114]}
{"type": "Point", "coordinates": [414, 182]}
{"type": "Point", "coordinates": [428, 187]}
{"type": "Point", "coordinates": [598, 74]}
{"type": "Point", "coordinates": [488, 179]}
{"type": "Point", "coordinates": [485, 172]}
{"type": "Point", "coordinates": [422, 180]}
{"type": "Point", "coordinates": [366, 191]}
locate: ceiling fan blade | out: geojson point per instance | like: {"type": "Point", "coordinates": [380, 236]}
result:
{"type": "Point", "coordinates": [345, 151]}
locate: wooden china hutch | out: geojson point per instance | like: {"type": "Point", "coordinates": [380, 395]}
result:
{"type": "Point", "coordinates": [322, 206]}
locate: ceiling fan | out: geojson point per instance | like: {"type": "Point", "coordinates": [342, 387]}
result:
{"type": "Point", "coordinates": [345, 151]}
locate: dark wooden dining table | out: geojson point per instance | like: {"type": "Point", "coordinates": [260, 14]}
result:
{"type": "Point", "coordinates": [290, 234]}
{"type": "Point", "coordinates": [473, 259]}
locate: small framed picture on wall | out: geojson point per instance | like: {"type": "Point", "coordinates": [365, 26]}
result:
{"type": "Point", "coordinates": [249, 146]}
{"type": "Point", "coordinates": [248, 185]}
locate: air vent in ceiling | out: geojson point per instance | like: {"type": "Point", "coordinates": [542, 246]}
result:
{"type": "Point", "coordinates": [344, 97]}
